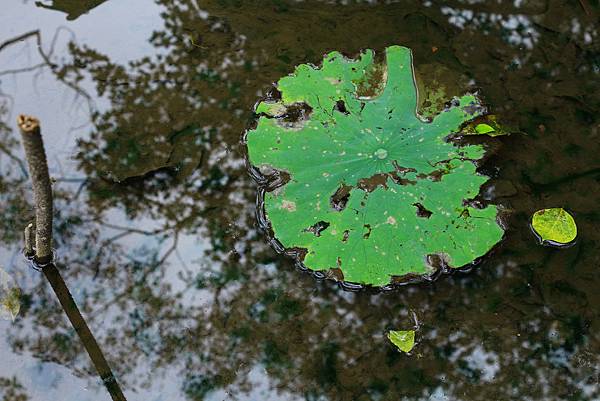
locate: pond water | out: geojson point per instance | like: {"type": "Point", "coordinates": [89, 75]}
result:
{"type": "Point", "coordinates": [143, 105]}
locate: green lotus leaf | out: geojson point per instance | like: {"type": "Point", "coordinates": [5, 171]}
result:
{"type": "Point", "coordinates": [370, 189]}
{"type": "Point", "coordinates": [403, 339]}
{"type": "Point", "coordinates": [554, 225]}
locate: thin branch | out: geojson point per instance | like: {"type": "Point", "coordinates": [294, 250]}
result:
{"type": "Point", "coordinates": [181, 260]}
{"type": "Point", "coordinates": [55, 37]}
{"type": "Point", "coordinates": [170, 250]}
{"type": "Point", "coordinates": [46, 57]}
{"type": "Point", "coordinates": [79, 190]}
{"type": "Point", "coordinates": [53, 66]}
{"type": "Point", "coordinates": [135, 230]}
{"type": "Point", "coordinates": [24, 69]}
{"type": "Point", "coordinates": [70, 179]}
{"type": "Point", "coordinates": [585, 7]}
{"type": "Point", "coordinates": [17, 160]}
{"type": "Point", "coordinates": [103, 245]}
{"type": "Point", "coordinates": [18, 39]}
{"type": "Point", "coordinates": [149, 270]}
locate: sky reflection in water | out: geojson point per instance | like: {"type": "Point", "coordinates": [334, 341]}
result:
{"type": "Point", "coordinates": [155, 222]}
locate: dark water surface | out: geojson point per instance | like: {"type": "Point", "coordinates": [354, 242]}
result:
{"type": "Point", "coordinates": [142, 111]}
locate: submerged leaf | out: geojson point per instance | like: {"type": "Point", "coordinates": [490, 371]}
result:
{"type": "Point", "coordinates": [386, 190]}
{"type": "Point", "coordinates": [554, 225]}
{"type": "Point", "coordinates": [10, 295]}
{"type": "Point", "coordinates": [403, 339]}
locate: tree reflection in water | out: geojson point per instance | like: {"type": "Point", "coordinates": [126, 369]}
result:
{"type": "Point", "coordinates": [73, 8]}
{"type": "Point", "coordinates": [164, 167]}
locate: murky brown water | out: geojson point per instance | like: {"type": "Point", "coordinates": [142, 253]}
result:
{"type": "Point", "coordinates": [156, 231]}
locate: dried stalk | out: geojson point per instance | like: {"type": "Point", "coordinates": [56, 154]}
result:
{"type": "Point", "coordinates": [42, 254]}
{"type": "Point", "coordinates": [42, 189]}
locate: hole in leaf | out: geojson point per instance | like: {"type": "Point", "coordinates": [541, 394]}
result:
{"type": "Point", "coordinates": [422, 210]}
{"type": "Point", "coordinates": [345, 236]}
{"type": "Point", "coordinates": [368, 233]}
{"type": "Point", "coordinates": [340, 106]}
{"type": "Point", "coordinates": [435, 175]}
{"type": "Point", "coordinates": [274, 178]}
{"type": "Point", "coordinates": [273, 94]}
{"type": "Point", "coordinates": [336, 273]}
{"type": "Point", "coordinates": [401, 181]}
{"type": "Point", "coordinates": [455, 102]}
{"type": "Point", "coordinates": [299, 253]}
{"type": "Point", "coordinates": [371, 183]}
{"type": "Point", "coordinates": [373, 83]}
{"type": "Point", "coordinates": [473, 203]}
{"type": "Point", "coordinates": [339, 199]}
{"type": "Point", "coordinates": [297, 113]}
{"type": "Point", "coordinates": [474, 109]}
{"type": "Point", "coordinates": [266, 170]}
{"type": "Point", "coordinates": [490, 171]}
{"type": "Point", "coordinates": [251, 126]}
{"type": "Point", "coordinates": [402, 170]}
{"type": "Point", "coordinates": [317, 228]}
{"type": "Point", "coordinates": [438, 261]}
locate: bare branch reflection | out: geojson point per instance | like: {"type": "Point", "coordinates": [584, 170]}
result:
{"type": "Point", "coordinates": [179, 284]}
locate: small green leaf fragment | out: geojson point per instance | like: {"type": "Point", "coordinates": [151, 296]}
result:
{"type": "Point", "coordinates": [554, 225]}
{"type": "Point", "coordinates": [484, 129]}
{"type": "Point", "coordinates": [485, 125]}
{"type": "Point", "coordinates": [403, 339]}
{"type": "Point", "coordinates": [10, 296]}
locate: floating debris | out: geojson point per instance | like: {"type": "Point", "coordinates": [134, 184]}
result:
{"type": "Point", "coordinates": [554, 226]}
{"type": "Point", "coordinates": [403, 339]}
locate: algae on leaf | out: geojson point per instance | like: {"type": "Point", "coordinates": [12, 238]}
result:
{"type": "Point", "coordinates": [366, 186]}
{"type": "Point", "coordinates": [554, 226]}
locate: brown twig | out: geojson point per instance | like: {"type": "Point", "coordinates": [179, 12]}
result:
{"type": "Point", "coordinates": [585, 7]}
{"type": "Point", "coordinates": [43, 255]}
{"type": "Point", "coordinates": [18, 39]}
{"type": "Point", "coordinates": [24, 69]}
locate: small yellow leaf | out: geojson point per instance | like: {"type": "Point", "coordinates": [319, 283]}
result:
{"type": "Point", "coordinates": [403, 339]}
{"type": "Point", "coordinates": [554, 225]}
